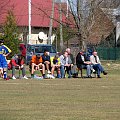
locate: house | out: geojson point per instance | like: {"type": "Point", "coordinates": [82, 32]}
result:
{"type": "Point", "coordinates": [106, 19]}
{"type": "Point", "coordinates": [40, 17]}
{"type": "Point", "coordinates": [114, 15]}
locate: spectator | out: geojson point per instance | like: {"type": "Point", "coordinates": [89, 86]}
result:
{"type": "Point", "coordinates": [46, 60]}
{"type": "Point", "coordinates": [97, 64]}
{"type": "Point", "coordinates": [37, 64]}
{"type": "Point", "coordinates": [70, 56]}
{"type": "Point", "coordinates": [17, 62]}
{"type": "Point", "coordinates": [65, 65]}
{"type": "Point", "coordinates": [55, 64]}
{"type": "Point", "coordinates": [71, 61]}
{"type": "Point", "coordinates": [83, 64]}
{"type": "Point", "coordinates": [22, 49]}
{"type": "Point", "coordinates": [4, 52]}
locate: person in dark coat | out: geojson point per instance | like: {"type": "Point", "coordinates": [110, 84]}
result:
{"type": "Point", "coordinates": [17, 62]}
{"type": "Point", "coordinates": [83, 64]}
{"type": "Point", "coordinates": [46, 60]}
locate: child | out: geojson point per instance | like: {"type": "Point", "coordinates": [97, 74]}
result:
{"type": "Point", "coordinates": [55, 64]}
{"type": "Point", "coordinates": [4, 52]}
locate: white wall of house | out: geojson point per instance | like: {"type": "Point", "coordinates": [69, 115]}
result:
{"type": "Point", "coordinates": [34, 39]}
{"type": "Point", "coordinates": [117, 31]}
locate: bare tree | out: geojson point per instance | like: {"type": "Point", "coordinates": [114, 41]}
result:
{"type": "Point", "coordinates": [51, 22]}
{"type": "Point", "coordinates": [84, 13]}
{"type": "Point", "coordinates": [61, 32]}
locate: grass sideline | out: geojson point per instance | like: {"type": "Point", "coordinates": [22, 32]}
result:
{"type": "Point", "coordinates": [62, 99]}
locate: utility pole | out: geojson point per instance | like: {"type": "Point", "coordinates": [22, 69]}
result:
{"type": "Point", "coordinates": [51, 23]}
{"type": "Point", "coordinates": [29, 28]}
{"type": "Point", "coordinates": [61, 32]}
{"type": "Point", "coordinates": [67, 9]}
{"type": "Point", "coordinates": [29, 18]}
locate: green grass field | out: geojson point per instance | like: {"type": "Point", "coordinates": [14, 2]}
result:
{"type": "Point", "coordinates": [62, 99]}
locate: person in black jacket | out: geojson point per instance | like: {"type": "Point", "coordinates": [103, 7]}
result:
{"type": "Point", "coordinates": [46, 60]}
{"type": "Point", "coordinates": [83, 64]}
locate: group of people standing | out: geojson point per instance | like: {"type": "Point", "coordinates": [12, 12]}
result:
{"type": "Point", "coordinates": [62, 64]}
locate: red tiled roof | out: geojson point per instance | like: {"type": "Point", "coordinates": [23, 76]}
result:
{"type": "Point", "coordinates": [41, 11]}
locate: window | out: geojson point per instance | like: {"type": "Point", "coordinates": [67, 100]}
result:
{"type": "Point", "coordinates": [41, 49]}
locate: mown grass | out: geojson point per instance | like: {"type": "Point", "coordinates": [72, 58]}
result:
{"type": "Point", "coordinates": [62, 99]}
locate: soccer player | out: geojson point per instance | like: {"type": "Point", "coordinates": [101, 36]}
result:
{"type": "Point", "coordinates": [4, 52]}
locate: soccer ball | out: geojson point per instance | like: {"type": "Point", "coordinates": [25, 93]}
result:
{"type": "Point", "coordinates": [108, 64]}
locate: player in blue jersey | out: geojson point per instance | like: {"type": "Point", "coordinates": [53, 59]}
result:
{"type": "Point", "coordinates": [4, 52]}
